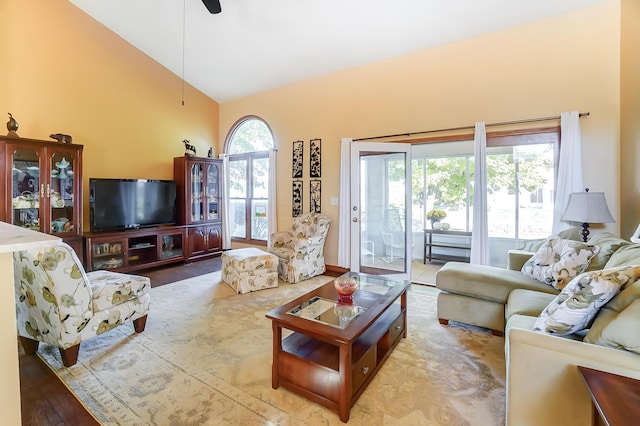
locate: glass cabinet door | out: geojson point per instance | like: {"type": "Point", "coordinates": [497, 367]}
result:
{"type": "Point", "coordinates": [26, 191]}
{"type": "Point", "coordinates": [59, 191]}
{"type": "Point", "coordinates": [212, 192]}
{"type": "Point", "coordinates": [197, 193]}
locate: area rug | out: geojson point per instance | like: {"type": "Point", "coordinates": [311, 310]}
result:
{"type": "Point", "coordinates": [205, 359]}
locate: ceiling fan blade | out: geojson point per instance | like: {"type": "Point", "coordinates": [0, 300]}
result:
{"type": "Point", "coordinates": [213, 6]}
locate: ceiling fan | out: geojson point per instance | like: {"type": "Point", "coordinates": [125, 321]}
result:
{"type": "Point", "coordinates": [213, 6]}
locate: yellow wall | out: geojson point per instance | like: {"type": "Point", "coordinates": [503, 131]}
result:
{"type": "Point", "coordinates": [563, 63]}
{"type": "Point", "coordinates": [630, 117]}
{"type": "Point", "coordinates": [62, 72]}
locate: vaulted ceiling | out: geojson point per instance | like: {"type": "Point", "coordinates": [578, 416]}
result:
{"type": "Point", "coordinates": [257, 45]}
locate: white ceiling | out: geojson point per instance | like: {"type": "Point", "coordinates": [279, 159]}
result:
{"type": "Point", "coordinates": [257, 45]}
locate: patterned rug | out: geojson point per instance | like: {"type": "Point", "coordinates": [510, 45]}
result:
{"type": "Point", "coordinates": [205, 359]}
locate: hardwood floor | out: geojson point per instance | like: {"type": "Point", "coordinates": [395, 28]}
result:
{"type": "Point", "coordinates": [45, 400]}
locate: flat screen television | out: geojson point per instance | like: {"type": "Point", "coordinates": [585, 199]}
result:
{"type": "Point", "coordinates": [120, 204]}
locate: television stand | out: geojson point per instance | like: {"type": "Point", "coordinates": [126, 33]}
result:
{"type": "Point", "coordinates": [130, 250]}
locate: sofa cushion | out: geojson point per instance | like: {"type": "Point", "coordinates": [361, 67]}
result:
{"type": "Point", "coordinates": [527, 302]}
{"type": "Point", "coordinates": [617, 330]}
{"type": "Point", "coordinates": [559, 260]}
{"type": "Point", "coordinates": [485, 282]}
{"type": "Point", "coordinates": [109, 288]}
{"type": "Point", "coordinates": [578, 303]}
{"type": "Point", "coordinates": [626, 255]}
{"type": "Point", "coordinates": [626, 297]}
{"type": "Point", "coordinates": [608, 244]}
{"type": "Point", "coordinates": [603, 330]}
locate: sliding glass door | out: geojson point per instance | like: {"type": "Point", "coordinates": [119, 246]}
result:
{"type": "Point", "coordinates": [380, 209]}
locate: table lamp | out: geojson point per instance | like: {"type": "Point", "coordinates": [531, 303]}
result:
{"type": "Point", "coordinates": [587, 207]}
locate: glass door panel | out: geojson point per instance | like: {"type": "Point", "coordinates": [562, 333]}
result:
{"type": "Point", "coordinates": [60, 193]}
{"type": "Point", "coordinates": [171, 246]}
{"type": "Point", "coordinates": [259, 198]}
{"type": "Point", "coordinates": [238, 194]}
{"type": "Point", "coordinates": [259, 223]}
{"type": "Point", "coordinates": [197, 193]}
{"type": "Point", "coordinates": [25, 189]}
{"type": "Point", "coordinates": [380, 235]}
{"type": "Point", "coordinates": [212, 192]}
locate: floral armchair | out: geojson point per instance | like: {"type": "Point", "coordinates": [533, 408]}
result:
{"type": "Point", "coordinates": [58, 303]}
{"type": "Point", "coordinates": [300, 250]}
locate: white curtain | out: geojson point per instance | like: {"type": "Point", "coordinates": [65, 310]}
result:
{"type": "Point", "coordinates": [344, 225]}
{"type": "Point", "coordinates": [570, 178]}
{"type": "Point", "coordinates": [272, 217]}
{"type": "Point", "coordinates": [480, 237]}
{"type": "Point", "coordinates": [226, 226]}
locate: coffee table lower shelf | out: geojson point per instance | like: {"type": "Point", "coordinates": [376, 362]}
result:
{"type": "Point", "coordinates": [313, 368]}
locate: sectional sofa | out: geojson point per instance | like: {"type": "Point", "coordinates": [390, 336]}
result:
{"type": "Point", "coordinates": [543, 383]}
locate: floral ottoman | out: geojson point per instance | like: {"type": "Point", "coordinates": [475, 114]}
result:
{"type": "Point", "coordinates": [249, 269]}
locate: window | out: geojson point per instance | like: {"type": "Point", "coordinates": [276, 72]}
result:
{"type": "Point", "coordinates": [520, 184]}
{"type": "Point", "coordinates": [247, 148]}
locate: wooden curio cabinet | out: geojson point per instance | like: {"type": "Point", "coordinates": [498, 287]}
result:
{"type": "Point", "coordinates": [198, 183]}
{"type": "Point", "coordinates": [42, 187]}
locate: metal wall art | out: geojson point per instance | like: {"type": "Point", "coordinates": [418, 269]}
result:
{"type": "Point", "coordinates": [297, 165]}
{"type": "Point", "coordinates": [296, 198]}
{"type": "Point", "coordinates": [315, 198]}
{"type": "Point", "coordinates": [315, 163]}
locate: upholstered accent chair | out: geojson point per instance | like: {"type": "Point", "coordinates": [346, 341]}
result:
{"type": "Point", "coordinates": [58, 303]}
{"type": "Point", "coordinates": [300, 250]}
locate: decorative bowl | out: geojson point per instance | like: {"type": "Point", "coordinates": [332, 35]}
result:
{"type": "Point", "coordinates": [345, 286]}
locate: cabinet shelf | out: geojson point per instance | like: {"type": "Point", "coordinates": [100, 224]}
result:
{"type": "Point", "coordinates": [144, 248]}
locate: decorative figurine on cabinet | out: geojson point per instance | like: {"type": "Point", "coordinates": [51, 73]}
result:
{"type": "Point", "coordinates": [61, 137]}
{"type": "Point", "coordinates": [210, 152]}
{"type": "Point", "coordinates": [188, 148]}
{"type": "Point", "coordinates": [12, 126]}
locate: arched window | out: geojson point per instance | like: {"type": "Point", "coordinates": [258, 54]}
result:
{"type": "Point", "coordinates": [247, 147]}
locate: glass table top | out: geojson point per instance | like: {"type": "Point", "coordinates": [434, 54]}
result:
{"type": "Point", "coordinates": [327, 312]}
{"type": "Point", "coordinates": [375, 284]}
{"type": "Point", "coordinates": [336, 314]}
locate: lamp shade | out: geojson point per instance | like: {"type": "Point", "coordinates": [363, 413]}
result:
{"type": "Point", "coordinates": [587, 207]}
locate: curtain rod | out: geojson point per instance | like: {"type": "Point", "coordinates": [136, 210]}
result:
{"type": "Point", "coordinates": [504, 123]}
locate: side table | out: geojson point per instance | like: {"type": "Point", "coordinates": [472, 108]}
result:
{"type": "Point", "coordinates": [616, 399]}
{"type": "Point", "coordinates": [462, 243]}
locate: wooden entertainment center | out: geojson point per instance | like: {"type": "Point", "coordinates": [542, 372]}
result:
{"type": "Point", "coordinates": [136, 249]}
{"type": "Point", "coordinates": [198, 234]}
{"type": "Point", "coordinates": [43, 192]}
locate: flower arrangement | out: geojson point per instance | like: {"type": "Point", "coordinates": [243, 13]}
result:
{"type": "Point", "coordinates": [435, 215]}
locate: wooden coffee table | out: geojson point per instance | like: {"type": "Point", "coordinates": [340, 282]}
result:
{"type": "Point", "coordinates": [332, 351]}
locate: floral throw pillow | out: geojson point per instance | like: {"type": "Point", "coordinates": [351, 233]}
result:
{"type": "Point", "coordinates": [559, 260]}
{"type": "Point", "coordinates": [578, 303]}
